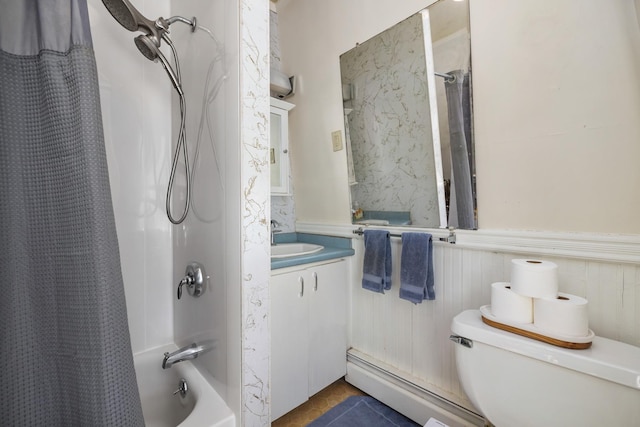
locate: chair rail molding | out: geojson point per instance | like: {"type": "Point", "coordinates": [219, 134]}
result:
{"type": "Point", "coordinates": [619, 248]}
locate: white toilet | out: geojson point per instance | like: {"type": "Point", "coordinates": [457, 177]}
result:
{"type": "Point", "coordinates": [518, 381]}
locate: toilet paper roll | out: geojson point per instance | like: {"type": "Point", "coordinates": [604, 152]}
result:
{"type": "Point", "coordinates": [509, 306]}
{"type": "Point", "coordinates": [565, 315]}
{"type": "Point", "coordinates": [534, 278]}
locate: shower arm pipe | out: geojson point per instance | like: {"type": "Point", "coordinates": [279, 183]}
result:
{"type": "Point", "coordinates": [168, 21]}
{"type": "Point", "coordinates": [160, 29]}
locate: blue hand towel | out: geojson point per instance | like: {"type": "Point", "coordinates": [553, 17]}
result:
{"type": "Point", "coordinates": [416, 268]}
{"type": "Point", "coordinates": [376, 272]}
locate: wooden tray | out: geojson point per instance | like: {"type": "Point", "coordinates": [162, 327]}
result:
{"type": "Point", "coordinates": [530, 331]}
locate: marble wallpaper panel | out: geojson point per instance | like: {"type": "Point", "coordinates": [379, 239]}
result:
{"type": "Point", "coordinates": [255, 263]}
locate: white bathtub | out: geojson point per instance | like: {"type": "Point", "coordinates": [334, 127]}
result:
{"type": "Point", "coordinates": [201, 407]}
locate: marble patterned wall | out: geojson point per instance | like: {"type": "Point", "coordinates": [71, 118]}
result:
{"type": "Point", "coordinates": [283, 210]}
{"type": "Point", "coordinates": [255, 208]}
{"type": "Point", "coordinates": [389, 126]}
{"type": "Point", "coordinates": [274, 40]}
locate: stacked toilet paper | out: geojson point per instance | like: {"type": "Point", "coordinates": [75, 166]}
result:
{"type": "Point", "coordinates": [532, 297]}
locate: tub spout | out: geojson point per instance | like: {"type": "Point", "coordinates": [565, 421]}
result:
{"type": "Point", "coordinates": [185, 353]}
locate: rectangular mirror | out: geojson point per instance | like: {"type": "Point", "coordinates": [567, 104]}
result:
{"type": "Point", "coordinates": [409, 122]}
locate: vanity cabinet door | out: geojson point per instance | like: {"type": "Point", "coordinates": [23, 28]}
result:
{"type": "Point", "coordinates": [327, 324]}
{"type": "Point", "coordinates": [308, 333]}
{"type": "Point", "coordinates": [289, 342]}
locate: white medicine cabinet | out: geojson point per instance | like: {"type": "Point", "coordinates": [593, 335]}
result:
{"type": "Point", "coordinates": [279, 147]}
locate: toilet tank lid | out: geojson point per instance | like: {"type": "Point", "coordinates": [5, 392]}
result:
{"type": "Point", "coordinates": [607, 359]}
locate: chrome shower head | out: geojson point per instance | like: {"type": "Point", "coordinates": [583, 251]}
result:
{"type": "Point", "coordinates": [147, 46]}
{"type": "Point", "coordinates": [121, 11]}
{"type": "Point", "coordinates": [131, 19]}
{"type": "Point", "coordinates": [128, 16]}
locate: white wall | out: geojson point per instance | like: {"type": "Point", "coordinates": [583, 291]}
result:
{"type": "Point", "coordinates": [556, 101]}
{"type": "Point", "coordinates": [136, 118]}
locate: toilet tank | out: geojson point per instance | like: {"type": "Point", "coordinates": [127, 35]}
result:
{"type": "Point", "coordinates": [517, 381]}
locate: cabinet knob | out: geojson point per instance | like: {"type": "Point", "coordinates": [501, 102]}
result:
{"type": "Point", "coordinates": [315, 281]}
{"type": "Point", "coordinates": [285, 151]}
{"type": "Point", "coordinates": [301, 280]}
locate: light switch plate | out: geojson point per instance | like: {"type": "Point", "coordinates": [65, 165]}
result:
{"type": "Point", "coordinates": [336, 140]}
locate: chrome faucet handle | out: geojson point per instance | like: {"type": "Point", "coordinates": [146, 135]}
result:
{"type": "Point", "coordinates": [274, 229]}
{"type": "Point", "coordinates": [186, 280]}
{"type": "Point", "coordinates": [194, 279]}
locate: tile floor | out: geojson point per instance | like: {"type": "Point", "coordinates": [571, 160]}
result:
{"type": "Point", "coordinates": [318, 404]}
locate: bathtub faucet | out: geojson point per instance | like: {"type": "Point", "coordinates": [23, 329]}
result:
{"type": "Point", "coordinates": [185, 353]}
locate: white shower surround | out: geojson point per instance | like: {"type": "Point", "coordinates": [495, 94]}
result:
{"type": "Point", "coordinates": [135, 94]}
{"type": "Point", "coordinates": [134, 98]}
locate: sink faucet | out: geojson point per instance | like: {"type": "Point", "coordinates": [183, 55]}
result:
{"type": "Point", "coordinates": [274, 229]}
{"type": "Point", "coordinates": [185, 353]}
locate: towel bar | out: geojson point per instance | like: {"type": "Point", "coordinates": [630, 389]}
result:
{"type": "Point", "coordinates": [451, 238]}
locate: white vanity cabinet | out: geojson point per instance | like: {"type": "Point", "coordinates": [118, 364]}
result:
{"type": "Point", "coordinates": [308, 332]}
{"type": "Point", "coordinates": [279, 147]}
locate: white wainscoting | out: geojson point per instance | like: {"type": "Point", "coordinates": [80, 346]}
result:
{"type": "Point", "coordinates": [413, 340]}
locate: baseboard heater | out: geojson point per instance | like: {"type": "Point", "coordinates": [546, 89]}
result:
{"type": "Point", "coordinates": [405, 396]}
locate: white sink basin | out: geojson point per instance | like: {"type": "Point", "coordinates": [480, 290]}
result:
{"type": "Point", "coordinates": [285, 250]}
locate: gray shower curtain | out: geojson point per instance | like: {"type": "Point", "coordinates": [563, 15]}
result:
{"type": "Point", "coordinates": [459, 111]}
{"type": "Point", "coordinates": [64, 337]}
